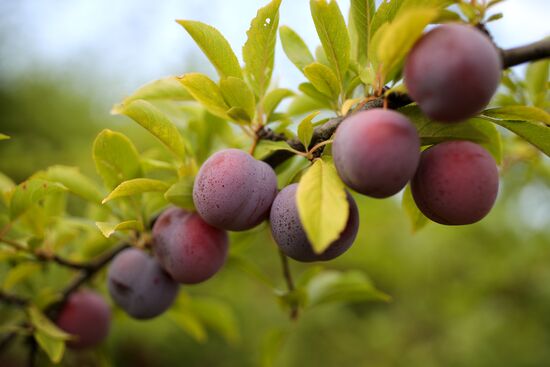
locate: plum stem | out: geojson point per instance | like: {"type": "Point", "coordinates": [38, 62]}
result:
{"type": "Point", "coordinates": [289, 284]}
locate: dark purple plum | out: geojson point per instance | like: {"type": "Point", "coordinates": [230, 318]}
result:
{"type": "Point", "coordinates": [456, 183]}
{"type": "Point", "coordinates": [139, 285]}
{"type": "Point", "coordinates": [290, 236]}
{"type": "Point", "coordinates": [234, 191]}
{"type": "Point", "coordinates": [376, 152]}
{"type": "Point", "coordinates": [86, 316]}
{"type": "Point", "coordinates": [452, 72]}
{"type": "Point", "coordinates": [187, 247]}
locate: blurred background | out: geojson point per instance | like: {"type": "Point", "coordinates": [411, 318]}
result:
{"type": "Point", "coordinates": [474, 296]}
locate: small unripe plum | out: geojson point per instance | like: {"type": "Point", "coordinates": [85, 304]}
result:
{"type": "Point", "coordinates": [452, 72]}
{"type": "Point", "coordinates": [234, 191]}
{"type": "Point", "coordinates": [289, 233]}
{"type": "Point", "coordinates": [376, 152]}
{"type": "Point", "coordinates": [187, 247]}
{"type": "Point", "coordinates": [456, 183]}
{"type": "Point", "coordinates": [86, 316]}
{"type": "Point", "coordinates": [139, 285]}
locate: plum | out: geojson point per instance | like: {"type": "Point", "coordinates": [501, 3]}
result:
{"type": "Point", "coordinates": [234, 191]}
{"type": "Point", "coordinates": [290, 236]}
{"type": "Point", "coordinates": [376, 152]}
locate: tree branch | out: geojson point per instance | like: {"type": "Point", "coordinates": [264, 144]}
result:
{"type": "Point", "coordinates": [13, 299]}
{"type": "Point", "coordinates": [511, 57]}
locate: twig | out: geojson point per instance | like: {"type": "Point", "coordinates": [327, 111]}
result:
{"type": "Point", "coordinates": [531, 52]}
{"type": "Point", "coordinates": [13, 299]}
{"type": "Point", "coordinates": [289, 284]}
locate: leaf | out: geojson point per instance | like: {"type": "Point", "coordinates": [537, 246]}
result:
{"type": "Point", "coordinates": [271, 346]}
{"type": "Point", "coordinates": [168, 88]}
{"type": "Point", "coordinates": [54, 348]}
{"type": "Point", "coordinates": [238, 115]}
{"type": "Point", "coordinates": [273, 98]}
{"type": "Point", "coordinates": [334, 36]}
{"type": "Point", "coordinates": [190, 324]}
{"type": "Point", "coordinates": [416, 218]}
{"type": "Point", "coordinates": [157, 123]}
{"type": "Point", "coordinates": [45, 325]}
{"type": "Point", "coordinates": [384, 14]}
{"type": "Point", "coordinates": [217, 316]}
{"type": "Point", "coordinates": [215, 47]}
{"type": "Point", "coordinates": [323, 79]}
{"type": "Point", "coordinates": [4, 137]}
{"type": "Point", "coordinates": [107, 229]}
{"type": "Point", "coordinates": [31, 192]}
{"type": "Point", "coordinates": [76, 182]}
{"type": "Point", "coordinates": [181, 193]}
{"type": "Point", "coordinates": [305, 129]}
{"type": "Point", "coordinates": [322, 204]}
{"type": "Point", "coordinates": [259, 49]}
{"type": "Point", "coordinates": [295, 48]}
{"type": "Point", "coordinates": [519, 113]}
{"type": "Point", "coordinates": [19, 273]}
{"type": "Point", "coordinates": [237, 94]}
{"type": "Point", "coordinates": [266, 147]}
{"type": "Point", "coordinates": [312, 92]}
{"type": "Point", "coordinates": [361, 14]}
{"type": "Point", "coordinates": [206, 92]}
{"type": "Point", "coordinates": [536, 80]}
{"type": "Point", "coordinates": [351, 286]}
{"type": "Point", "coordinates": [476, 130]}
{"type": "Point", "coordinates": [302, 104]}
{"type": "Point", "coordinates": [136, 186]}
{"type": "Point", "coordinates": [399, 37]}
{"type": "Point", "coordinates": [116, 158]}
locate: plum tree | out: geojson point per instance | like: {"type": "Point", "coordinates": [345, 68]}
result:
{"type": "Point", "coordinates": [87, 316]}
{"type": "Point", "coordinates": [290, 236]}
{"type": "Point", "coordinates": [139, 285]}
{"type": "Point", "coordinates": [376, 152]}
{"type": "Point", "coordinates": [452, 72]}
{"type": "Point", "coordinates": [456, 183]}
{"type": "Point", "coordinates": [187, 247]}
{"type": "Point", "coordinates": [234, 191]}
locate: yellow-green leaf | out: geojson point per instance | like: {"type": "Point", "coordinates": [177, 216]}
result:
{"type": "Point", "coordinates": [19, 273]}
{"type": "Point", "coordinates": [54, 348]}
{"type": "Point", "coordinates": [76, 182]}
{"type": "Point", "coordinates": [157, 123]}
{"type": "Point", "coordinates": [305, 129]}
{"type": "Point", "coordinates": [215, 47]}
{"type": "Point", "coordinates": [31, 192]}
{"type": "Point", "coordinates": [169, 89]}
{"type": "Point", "coordinates": [107, 228]}
{"type": "Point", "coordinates": [535, 133]}
{"type": "Point", "coordinates": [181, 193]}
{"type": "Point", "coordinates": [189, 323]}
{"type": "Point", "coordinates": [236, 93]}
{"type": "Point", "coordinates": [266, 147]}
{"type": "Point", "coordinates": [323, 79]}
{"type": "Point", "coordinates": [206, 92]}
{"type": "Point", "coordinates": [116, 158]}
{"type": "Point", "coordinates": [45, 325]}
{"type": "Point", "coordinates": [4, 137]}
{"type": "Point", "coordinates": [384, 14]}
{"type": "Point", "coordinates": [360, 17]}
{"type": "Point", "coordinates": [536, 82]}
{"type": "Point", "coordinates": [333, 33]}
{"type": "Point", "coordinates": [519, 113]}
{"type": "Point", "coordinates": [416, 218]}
{"type": "Point", "coordinates": [217, 316]}
{"type": "Point", "coordinates": [259, 49]}
{"type": "Point", "coordinates": [136, 186]}
{"type": "Point", "coordinates": [273, 98]}
{"type": "Point", "coordinates": [295, 48]}
{"type": "Point", "coordinates": [322, 204]}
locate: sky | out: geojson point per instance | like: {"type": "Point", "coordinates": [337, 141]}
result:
{"type": "Point", "coordinates": [129, 42]}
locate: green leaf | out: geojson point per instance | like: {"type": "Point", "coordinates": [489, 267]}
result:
{"type": "Point", "coordinates": [536, 80]}
{"type": "Point", "coordinates": [323, 79]}
{"type": "Point", "coordinates": [189, 323]}
{"type": "Point", "coordinates": [312, 92]}
{"type": "Point", "coordinates": [206, 92]}
{"type": "Point", "coordinates": [266, 147]}
{"type": "Point", "coordinates": [76, 182]}
{"type": "Point", "coordinates": [31, 192]}
{"type": "Point", "coordinates": [416, 218]}
{"type": "Point", "coordinates": [322, 204]}
{"type": "Point", "coordinates": [136, 186]}
{"type": "Point", "coordinates": [384, 14]}
{"type": "Point", "coordinates": [157, 123]}
{"type": "Point", "coordinates": [181, 193]}
{"type": "Point", "coordinates": [54, 348]}
{"type": "Point", "coordinates": [4, 137]}
{"type": "Point", "coordinates": [273, 98]}
{"type": "Point", "coordinates": [360, 17]}
{"type": "Point", "coordinates": [535, 133]}
{"type": "Point", "coordinates": [400, 36]}
{"type": "Point", "coordinates": [116, 158]}
{"type": "Point", "coordinates": [45, 325]}
{"type": "Point", "coordinates": [237, 94]}
{"type": "Point", "coordinates": [302, 104]}
{"type": "Point", "coordinates": [107, 228]}
{"type": "Point", "coordinates": [259, 49]}
{"type": "Point", "coordinates": [271, 347]}
{"type": "Point", "coordinates": [305, 129]}
{"type": "Point", "coordinates": [333, 286]}
{"type": "Point", "coordinates": [215, 47]}
{"type": "Point", "coordinates": [519, 113]}
{"type": "Point", "coordinates": [295, 48]}
{"type": "Point", "coordinates": [19, 273]}
{"type": "Point", "coordinates": [169, 89]}
{"type": "Point", "coordinates": [334, 36]}
{"type": "Point", "coordinates": [217, 316]}
{"type": "Point", "coordinates": [238, 115]}
{"type": "Point", "coordinates": [476, 130]}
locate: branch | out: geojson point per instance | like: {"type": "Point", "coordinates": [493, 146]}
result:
{"type": "Point", "coordinates": [511, 57]}
{"type": "Point", "coordinates": [13, 299]}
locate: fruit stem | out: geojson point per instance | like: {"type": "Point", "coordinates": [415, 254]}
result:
{"type": "Point", "coordinates": [289, 284]}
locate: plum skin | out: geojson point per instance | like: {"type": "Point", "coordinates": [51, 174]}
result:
{"type": "Point", "coordinates": [187, 247]}
{"type": "Point", "coordinates": [452, 72]}
{"type": "Point", "coordinates": [376, 152]}
{"type": "Point", "coordinates": [456, 183]}
{"type": "Point", "coordinates": [139, 285]}
{"type": "Point", "coordinates": [234, 191]}
{"type": "Point", "coordinates": [289, 234]}
{"type": "Point", "coordinates": [87, 316]}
